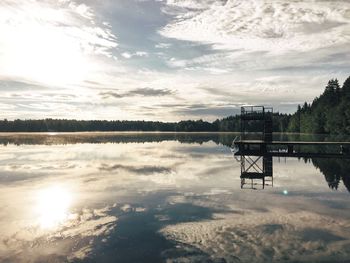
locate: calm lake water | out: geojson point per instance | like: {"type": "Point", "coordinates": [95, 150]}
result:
{"type": "Point", "coordinates": [137, 197]}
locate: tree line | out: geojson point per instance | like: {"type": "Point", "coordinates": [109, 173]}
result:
{"type": "Point", "coordinates": [228, 124]}
{"type": "Point", "coordinates": [328, 113]}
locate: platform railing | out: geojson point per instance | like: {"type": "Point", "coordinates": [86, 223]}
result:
{"type": "Point", "coordinates": [247, 110]}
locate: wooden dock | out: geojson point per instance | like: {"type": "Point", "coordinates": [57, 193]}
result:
{"type": "Point", "coordinates": [294, 143]}
{"type": "Point", "coordinates": [288, 149]}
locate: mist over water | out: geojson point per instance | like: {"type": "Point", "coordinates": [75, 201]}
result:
{"type": "Point", "coordinates": [156, 197]}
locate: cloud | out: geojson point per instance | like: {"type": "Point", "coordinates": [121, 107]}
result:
{"type": "Point", "coordinates": [110, 94]}
{"type": "Point", "coordinates": [17, 85]}
{"type": "Point", "coordinates": [128, 55]}
{"type": "Point", "coordinates": [208, 110]}
{"type": "Point", "coordinates": [51, 42]}
{"type": "Point", "coordinates": [145, 170]}
{"type": "Point", "coordinates": [163, 45]}
{"type": "Point", "coordinates": [276, 27]}
{"type": "Point", "coordinates": [84, 228]}
{"type": "Point", "coordinates": [230, 237]}
{"type": "Point", "coordinates": [145, 92]}
{"type": "Point", "coordinates": [150, 92]}
{"type": "Point", "coordinates": [141, 54]}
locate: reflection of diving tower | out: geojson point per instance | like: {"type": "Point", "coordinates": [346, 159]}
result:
{"type": "Point", "coordinates": [257, 167]}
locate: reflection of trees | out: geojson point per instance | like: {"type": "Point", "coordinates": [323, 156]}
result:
{"type": "Point", "coordinates": [78, 138]}
{"type": "Point", "coordinates": [334, 170]}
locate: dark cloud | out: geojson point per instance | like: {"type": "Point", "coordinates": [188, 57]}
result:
{"type": "Point", "coordinates": [150, 92]}
{"type": "Point", "coordinates": [325, 26]}
{"type": "Point", "coordinates": [146, 170]}
{"type": "Point", "coordinates": [314, 234]}
{"type": "Point", "coordinates": [14, 177]}
{"type": "Point", "coordinates": [270, 228]}
{"type": "Point", "coordinates": [145, 92]}
{"type": "Point", "coordinates": [110, 94]}
{"type": "Point", "coordinates": [208, 110]}
{"type": "Point", "coordinates": [11, 85]}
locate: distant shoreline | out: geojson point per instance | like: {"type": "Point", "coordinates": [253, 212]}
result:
{"type": "Point", "coordinates": [120, 132]}
{"type": "Point", "coordinates": [327, 114]}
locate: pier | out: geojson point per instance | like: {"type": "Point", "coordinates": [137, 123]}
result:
{"type": "Point", "coordinates": [293, 149]}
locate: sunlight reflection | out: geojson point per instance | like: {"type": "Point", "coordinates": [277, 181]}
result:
{"type": "Point", "coordinates": [53, 206]}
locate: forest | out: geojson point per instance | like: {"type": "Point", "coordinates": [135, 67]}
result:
{"type": "Point", "coordinates": [228, 124]}
{"type": "Point", "coordinates": [327, 114]}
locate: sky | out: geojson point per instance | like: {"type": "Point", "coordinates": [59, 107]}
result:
{"type": "Point", "coordinates": [167, 60]}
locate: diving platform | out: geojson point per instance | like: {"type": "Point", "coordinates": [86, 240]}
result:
{"type": "Point", "coordinates": [256, 156]}
{"type": "Point", "coordinates": [260, 117]}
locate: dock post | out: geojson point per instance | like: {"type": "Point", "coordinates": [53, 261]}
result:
{"type": "Point", "coordinates": [290, 149]}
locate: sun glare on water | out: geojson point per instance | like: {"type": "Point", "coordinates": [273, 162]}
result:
{"type": "Point", "coordinates": [53, 205]}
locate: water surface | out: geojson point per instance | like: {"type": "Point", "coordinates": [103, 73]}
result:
{"type": "Point", "coordinates": [136, 197]}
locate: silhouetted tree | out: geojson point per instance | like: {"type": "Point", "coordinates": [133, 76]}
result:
{"type": "Point", "coordinates": [328, 113]}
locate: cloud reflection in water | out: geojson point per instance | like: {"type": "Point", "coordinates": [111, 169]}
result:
{"type": "Point", "coordinates": [160, 200]}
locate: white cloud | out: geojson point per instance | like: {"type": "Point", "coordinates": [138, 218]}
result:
{"type": "Point", "coordinates": [262, 237]}
{"type": "Point", "coordinates": [51, 42]}
{"type": "Point", "coordinates": [192, 4]}
{"type": "Point", "coordinates": [128, 55]}
{"type": "Point", "coordinates": [163, 45]}
{"type": "Point", "coordinates": [141, 54]}
{"type": "Point", "coordinates": [265, 25]}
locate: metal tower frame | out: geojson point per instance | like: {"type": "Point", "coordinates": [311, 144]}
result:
{"type": "Point", "coordinates": [257, 167]}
